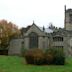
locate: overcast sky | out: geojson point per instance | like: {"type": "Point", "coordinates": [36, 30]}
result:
{"type": "Point", "coordinates": [23, 12]}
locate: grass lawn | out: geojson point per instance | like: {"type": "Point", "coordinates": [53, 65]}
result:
{"type": "Point", "coordinates": [17, 64]}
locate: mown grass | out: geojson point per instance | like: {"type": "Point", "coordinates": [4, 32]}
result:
{"type": "Point", "coordinates": [18, 64]}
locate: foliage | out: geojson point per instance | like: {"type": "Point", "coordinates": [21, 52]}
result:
{"type": "Point", "coordinates": [50, 56]}
{"type": "Point", "coordinates": [59, 58]}
{"type": "Point", "coordinates": [8, 30]}
{"type": "Point", "coordinates": [34, 56]}
{"type": "Point", "coordinates": [23, 51]}
{"type": "Point", "coordinates": [55, 56]}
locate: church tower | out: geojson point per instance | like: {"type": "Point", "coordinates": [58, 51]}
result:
{"type": "Point", "coordinates": [68, 19]}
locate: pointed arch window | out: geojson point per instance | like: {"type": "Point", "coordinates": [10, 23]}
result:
{"type": "Point", "coordinates": [33, 40]}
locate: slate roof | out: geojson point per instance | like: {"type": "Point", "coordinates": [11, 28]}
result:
{"type": "Point", "coordinates": [47, 30]}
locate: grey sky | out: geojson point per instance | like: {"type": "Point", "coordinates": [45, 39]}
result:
{"type": "Point", "coordinates": [23, 12]}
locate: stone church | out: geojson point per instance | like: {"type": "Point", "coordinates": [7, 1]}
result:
{"type": "Point", "coordinates": [39, 37]}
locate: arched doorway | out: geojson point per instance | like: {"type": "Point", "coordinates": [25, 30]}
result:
{"type": "Point", "coordinates": [33, 40]}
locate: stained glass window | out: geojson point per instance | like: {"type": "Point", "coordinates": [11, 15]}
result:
{"type": "Point", "coordinates": [33, 40]}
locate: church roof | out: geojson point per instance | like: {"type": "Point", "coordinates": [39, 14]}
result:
{"type": "Point", "coordinates": [43, 29]}
{"type": "Point", "coordinates": [47, 30]}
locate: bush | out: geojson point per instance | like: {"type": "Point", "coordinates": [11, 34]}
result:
{"type": "Point", "coordinates": [23, 51]}
{"type": "Point", "coordinates": [59, 58]}
{"type": "Point", "coordinates": [34, 56]}
{"type": "Point", "coordinates": [49, 56]}
{"type": "Point", "coordinates": [55, 56]}
{"type": "Point", "coordinates": [48, 59]}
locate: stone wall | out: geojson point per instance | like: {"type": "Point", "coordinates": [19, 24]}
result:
{"type": "Point", "coordinates": [15, 47]}
{"type": "Point", "coordinates": [43, 42]}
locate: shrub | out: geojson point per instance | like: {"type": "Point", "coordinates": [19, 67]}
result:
{"type": "Point", "coordinates": [59, 58]}
{"type": "Point", "coordinates": [55, 56]}
{"type": "Point", "coordinates": [49, 56]}
{"type": "Point", "coordinates": [23, 50]}
{"type": "Point", "coordinates": [34, 56]}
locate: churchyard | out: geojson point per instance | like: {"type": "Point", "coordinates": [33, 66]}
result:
{"type": "Point", "coordinates": [18, 64]}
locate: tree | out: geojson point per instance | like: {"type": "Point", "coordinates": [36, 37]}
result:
{"type": "Point", "coordinates": [8, 30]}
{"type": "Point", "coordinates": [51, 26]}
